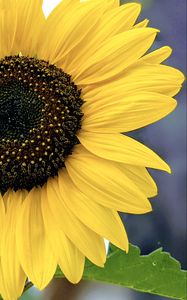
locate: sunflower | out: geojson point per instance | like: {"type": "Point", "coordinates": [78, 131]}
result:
{"type": "Point", "coordinates": [70, 85]}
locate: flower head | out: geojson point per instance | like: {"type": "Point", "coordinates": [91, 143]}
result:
{"type": "Point", "coordinates": [70, 85]}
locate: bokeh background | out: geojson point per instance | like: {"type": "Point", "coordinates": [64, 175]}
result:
{"type": "Point", "coordinates": [166, 226]}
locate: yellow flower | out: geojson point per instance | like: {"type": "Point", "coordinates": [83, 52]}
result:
{"type": "Point", "coordinates": [69, 86]}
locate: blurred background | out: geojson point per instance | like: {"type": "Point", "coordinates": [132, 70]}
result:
{"type": "Point", "coordinates": [166, 226]}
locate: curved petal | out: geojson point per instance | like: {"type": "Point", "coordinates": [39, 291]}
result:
{"type": "Point", "coordinates": [68, 256]}
{"type": "Point", "coordinates": [60, 10]}
{"type": "Point", "coordinates": [120, 51]}
{"type": "Point", "coordinates": [71, 260]}
{"type": "Point", "coordinates": [157, 56]}
{"type": "Point", "coordinates": [8, 23]}
{"type": "Point", "coordinates": [32, 241]}
{"type": "Point", "coordinates": [111, 188]}
{"type": "Point", "coordinates": [56, 8]}
{"type": "Point", "coordinates": [102, 220]}
{"type": "Point", "coordinates": [2, 218]}
{"type": "Point", "coordinates": [119, 19]}
{"type": "Point", "coordinates": [142, 24]}
{"type": "Point", "coordinates": [20, 24]}
{"type": "Point", "coordinates": [115, 111]}
{"type": "Point", "coordinates": [153, 78]}
{"type": "Point", "coordinates": [87, 241]}
{"type": "Point", "coordinates": [121, 148]}
{"type": "Point", "coordinates": [63, 35]}
{"type": "Point", "coordinates": [30, 20]}
{"type": "Point", "coordinates": [141, 177]}
{"type": "Point", "coordinates": [53, 21]}
{"type": "Point", "coordinates": [114, 3]}
{"type": "Point", "coordinates": [143, 77]}
{"type": "Point", "coordinates": [114, 21]}
{"type": "Point", "coordinates": [12, 277]}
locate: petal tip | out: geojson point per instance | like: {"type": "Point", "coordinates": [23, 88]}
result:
{"type": "Point", "coordinates": [173, 105]}
{"type": "Point", "coordinates": [75, 280]}
{"type": "Point", "coordinates": [136, 5]}
{"type": "Point", "coordinates": [168, 169]}
{"type": "Point", "coordinates": [127, 248]}
{"type": "Point", "coordinates": [168, 50]}
{"type": "Point", "coordinates": [149, 207]}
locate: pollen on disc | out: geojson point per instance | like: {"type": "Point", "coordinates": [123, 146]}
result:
{"type": "Point", "coordinates": [40, 114]}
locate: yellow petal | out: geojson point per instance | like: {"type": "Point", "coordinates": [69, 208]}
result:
{"type": "Point", "coordinates": [2, 218]}
{"type": "Point", "coordinates": [110, 4]}
{"type": "Point", "coordinates": [120, 51]}
{"type": "Point", "coordinates": [121, 148]}
{"type": "Point", "coordinates": [33, 248]}
{"type": "Point", "coordinates": [114, 111]}
{"type": "Point", "coordinates": [102, 181]}
{"type": "Point", "coordinates": [87, 241]}
{"type": "Point", "coordinates": [114, 3]}
{"type": "Point", "coordinates": [142, 24]}
{"type": "Point", "coordinates": [30, 22]}
{"type": "Point", "coordinates": [152, 78]}
{"type": "Point", "coordinates": [119, 19]}
{"type": "Point", "coordinates": [142, 77]}
{"type": "Point", "coordinates": [12, 277]}
{"type": "Point", "coordinates": [20, 24]}
{"type": "Point", "coordinates": [59, 38]}
{"type": "Point", "coordinates": [111, 23]}
{"type": "Point", "coordinates": [157, 56]}
{"type": "Point", "coordinates": [141, 177]}
{"type": "Point", "coordinates": [102, 220]}
{"type": "Point", "coordinates": [70, 259]}
{"type": "Point", "coordinates": [60, 11]}
{"type": "Point", "coordinates": [47, 33]}
{"type": "Point", "coordinates": [8, 23]}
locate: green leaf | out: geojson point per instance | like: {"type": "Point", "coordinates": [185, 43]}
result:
{"type": "Point", "coordinates": [156, 273]}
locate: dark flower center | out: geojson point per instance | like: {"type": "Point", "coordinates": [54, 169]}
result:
{"type": "Point", "coordinates": [40, 114]}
